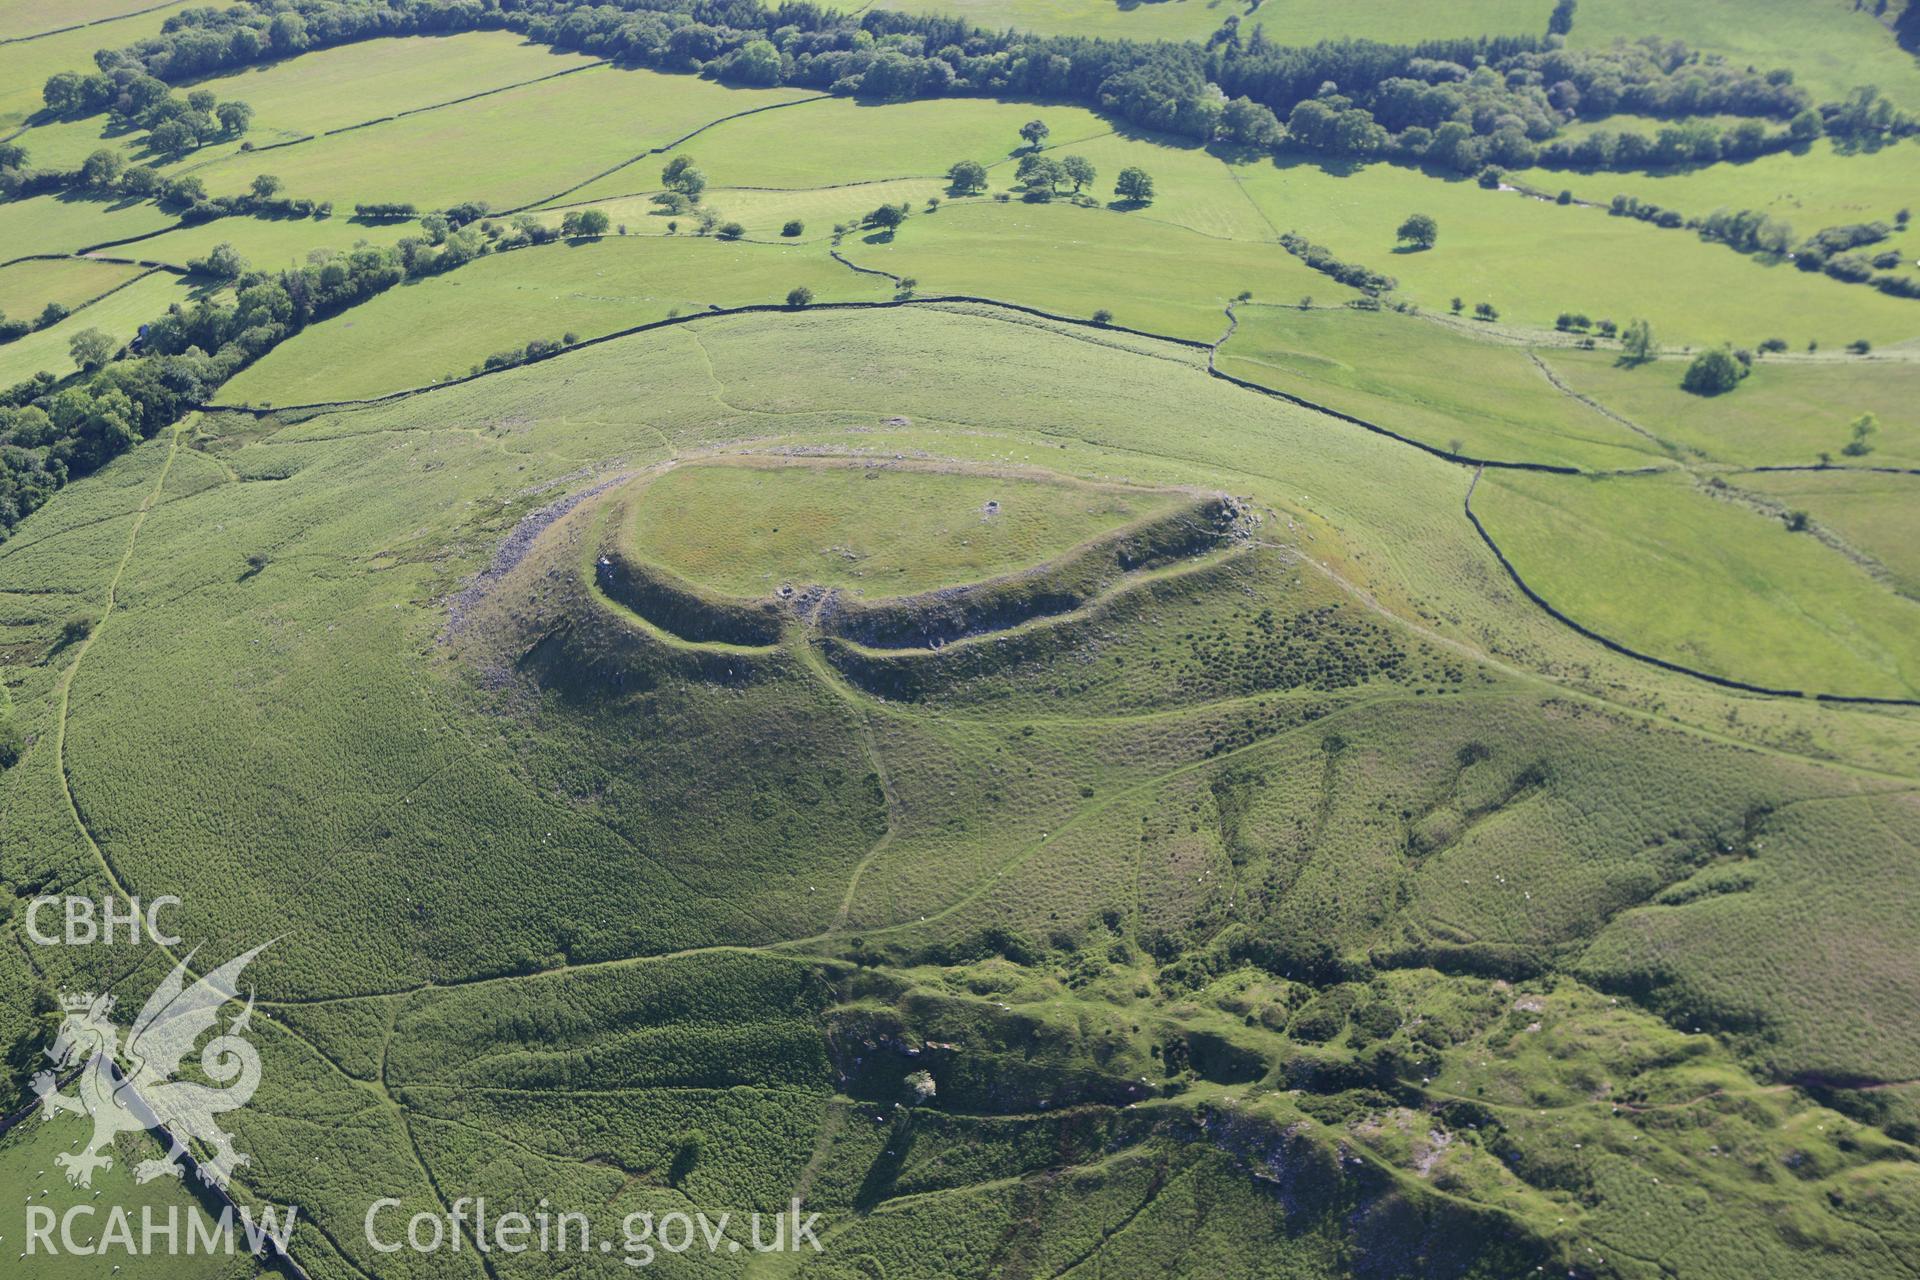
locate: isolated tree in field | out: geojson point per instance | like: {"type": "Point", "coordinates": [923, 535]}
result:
{"type": "Point", "coordinates": [1103, 316]}
{"type": "Point", "coordinates": [1863, 428]}
{"type": "Point", "coordinates": [234, 117]}
{"type": "Point", "coordinates": [1079, 171]}
{"type": "Point", "coordinates": [1134, 185]}
{"type": "Point", "coordinates": [1713, 373]}
{"type": "Point", "coordinates": [1419, 230]}
{"type": "Point", "coordinates": [967, 177]}
{"type": "Point", "coordinates": [91, 348]}
{"type": "Point", "coordinates": [266, 187]}
{"type": "Point", "coordinates": [1637, 342]}
{"type": "Point", "coordinates": [683, 177]}
{"type": "Point", "coordinates": [1034, 133]}
{"type": "Point", "coordinates": [731, 231]}
{"type": "Point", "coordinates": [887, 217]}
{"type": "Point", "coordinates": [799, 297]}
{"type": "Point", "coordinates": [793, 227]}
{"type": "Point", "coordinates": [584, 222]}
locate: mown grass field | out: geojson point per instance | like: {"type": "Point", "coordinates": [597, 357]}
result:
{"type": "Point", "coordinates": [1660, 565]}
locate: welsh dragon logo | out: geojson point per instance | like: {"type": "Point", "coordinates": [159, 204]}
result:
{"type": "Point", "coordinates": [130, 1087]}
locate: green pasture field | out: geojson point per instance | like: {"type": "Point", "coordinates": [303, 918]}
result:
{"type": "Point", "coordinates": [806, 146]}
{"type": "Point", "coordinates": [52, 224]}
{"type": "Point", "coordinates": [269, 244]}
{"type": "Point", "coordinates": [1787, 412]}
{"type": "Point", "coordinates": [1872, 513]}
{"type": "Point", "coordinates": [27, 287]}
{"type": "Point", "coordinates": [1192, 187]}
{"type": "Point", "coordinates": [1136, 20]}
{"type": "Point", "coordinates": [878, 531]}
{"type": "Point", "coordinates": [1655, 563]}
{"type": "Point", "coordinates": [1428, 381]}
{"type": "Point", "coordinates": [26, 64]}
{"type": "Point", "coordinates": [1830, 45]}
{"type": "Point", "coordinates": [1057, 257]}
{"type": "Point", "coordinates": [38, 17]}
{"type": "Point", "coordinates": [765, 212]}
{"type": "Point", "coordinates": [518, 147]}
{"type": "Point", "coordinates": [1340, 734]}
{"type": "Point", "coordinates": [587, 289]}
{"type": "Point", "coordinates": [324, 90]}
{"type": "Point", "coordinates": [794, 151]}
{"type": "Point", "coordinates": [1820, 187]}
{"type": "Point", "coordinates": [1533, 260]}
{"type": "Point", "coordinates": [27, 1162]}
{"type": "Point", "coordinates": [1309, 22]}
{"type": "Point", "coordinates": [119, 317]}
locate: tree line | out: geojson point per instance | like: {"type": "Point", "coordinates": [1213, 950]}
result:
{"type": "Point", "coordinates": [1462, 102]}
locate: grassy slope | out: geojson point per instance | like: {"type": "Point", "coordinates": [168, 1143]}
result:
{"type": "Point", "coordinates": [1057, 257]}
{"type": "Point", "coordinates": [1533, 260]}
{"type": "Point", "coordinates": [585, 288]}
{"type": "Point", "coordinates": [1655, 564]}
{"type": "Point", "coordinates": [326, 656]}
{"type": "Point", "coordinates": [1427, 381]}
{"type": "Point", "coordinates": [1871, 513]}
